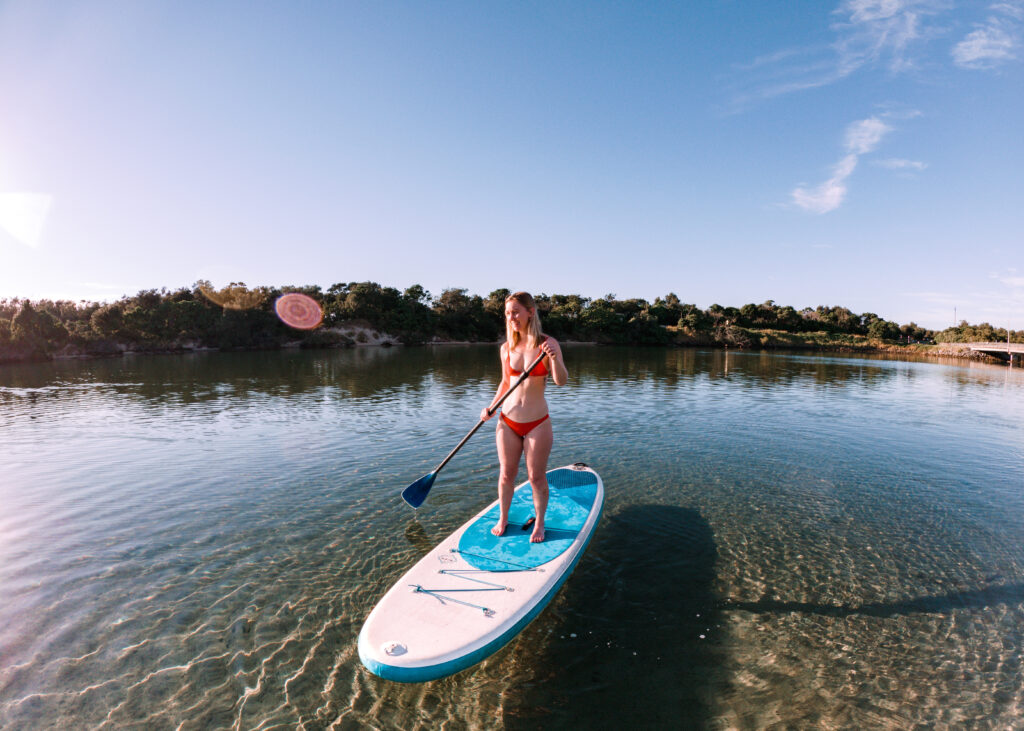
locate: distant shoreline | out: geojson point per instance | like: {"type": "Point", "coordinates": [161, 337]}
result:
{"type": "Point", "coordinates": [362, 337]}
{"type": "Point", "coordinates": [201, 319]}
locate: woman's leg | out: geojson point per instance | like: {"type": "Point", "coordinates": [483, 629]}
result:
{"type": "Point", "coordinates": [537, 445]}
{"type": "Point", "coordinates": [510, 449]}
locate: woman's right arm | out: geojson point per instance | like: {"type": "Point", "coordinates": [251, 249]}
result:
{"type": "Point", "coordinates": [486, 413]}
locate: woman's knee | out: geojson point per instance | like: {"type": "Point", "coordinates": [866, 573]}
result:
{"type": "Point", "coordinates": [538, 480]}
{"type": "Point", "coordinates": [508, 473]}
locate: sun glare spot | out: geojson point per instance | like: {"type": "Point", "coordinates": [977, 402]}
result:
{"type": "Point", "coordinates": [22, 215]}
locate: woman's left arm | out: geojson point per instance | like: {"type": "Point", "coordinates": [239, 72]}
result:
{"type": "Point", "coordinates": [556, 364]}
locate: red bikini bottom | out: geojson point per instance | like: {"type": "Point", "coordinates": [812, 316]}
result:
{"type": "Point", "coordinates": [522, 428]}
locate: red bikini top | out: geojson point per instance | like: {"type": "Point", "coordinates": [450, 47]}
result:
{"type": "Point", "coordinates": [539, 370]}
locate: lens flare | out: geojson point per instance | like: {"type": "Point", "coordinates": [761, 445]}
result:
{"type": "Point", "coordinates": [299, 311]}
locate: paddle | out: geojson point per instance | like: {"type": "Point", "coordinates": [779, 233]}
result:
{"type": "Point", "coordinates": [416, 493]}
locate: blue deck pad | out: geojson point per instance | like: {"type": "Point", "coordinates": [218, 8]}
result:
{"type": "Point", "coordinates": [570, 500]}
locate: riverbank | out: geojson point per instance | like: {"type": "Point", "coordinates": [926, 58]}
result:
{"type": "Point", "coordinates": [357, 334]}
{"type": "Point", "coordinates": [843, 342]}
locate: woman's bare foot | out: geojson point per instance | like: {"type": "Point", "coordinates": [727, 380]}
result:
{"type": "Point", "coordinates": [499, 527]}
{"type": "Point", "coordinates": [538, 532]}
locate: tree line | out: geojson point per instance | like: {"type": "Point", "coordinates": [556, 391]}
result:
{"type": "Point", "coordinates": [241, 317]}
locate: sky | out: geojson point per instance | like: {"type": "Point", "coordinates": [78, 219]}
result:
{"type": "Point", "coordinates": [863, 153]}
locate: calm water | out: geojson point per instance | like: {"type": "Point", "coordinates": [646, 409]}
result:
{"type": "Point", "coordinates": [194, 541]}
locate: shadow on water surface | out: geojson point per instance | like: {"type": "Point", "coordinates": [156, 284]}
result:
{"type": "Point", "coordinates": [632, 637]}
{"type": "Point", "coordinates": [933, 604]}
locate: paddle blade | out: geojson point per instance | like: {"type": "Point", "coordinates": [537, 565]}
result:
{"type": "Point", "coordinates": [416, 493]}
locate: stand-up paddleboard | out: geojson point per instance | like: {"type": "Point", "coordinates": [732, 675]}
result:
{"type": "Point", "coordinates": [474, 592]}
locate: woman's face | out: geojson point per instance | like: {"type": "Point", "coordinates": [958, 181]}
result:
{"type": "Point", "coordinates": [517, 316]}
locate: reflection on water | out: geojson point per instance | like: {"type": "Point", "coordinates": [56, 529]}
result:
{"type": "Point", "coordinates": [789, 539]}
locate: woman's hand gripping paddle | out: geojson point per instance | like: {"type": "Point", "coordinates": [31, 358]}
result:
{"type": "Point", "coordinates": [416, 493]}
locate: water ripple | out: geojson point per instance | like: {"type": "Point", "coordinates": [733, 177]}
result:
{"type": "Point", "coordinates": [797, 541]}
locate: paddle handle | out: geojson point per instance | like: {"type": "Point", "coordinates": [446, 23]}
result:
{"type": "Point", "coordinates": [490, 411]}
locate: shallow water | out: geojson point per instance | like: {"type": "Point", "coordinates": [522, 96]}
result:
{"type": "Point", "coordinates": [789, 540]}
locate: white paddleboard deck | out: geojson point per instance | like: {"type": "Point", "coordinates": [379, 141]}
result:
{"type": "Point", "coordinates": [474, 592]}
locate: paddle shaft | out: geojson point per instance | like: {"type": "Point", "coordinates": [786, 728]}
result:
{"type": "Point", "coordinates": [490, 411]}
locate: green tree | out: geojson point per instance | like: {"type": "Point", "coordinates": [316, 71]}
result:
{"type": "Point", "coordinates": [37, 329]}
{"type": "Point", "coordinates": [367, 301]}
{"type": "Point", "coordinates": [494, 305]}
{"type": "Point", "coordinates": [108, 321]}
{"type": "Point", "coordinates": [667, 310]}
{"type": "Point", "coordinates": [913, 332]}
{"type": "Point", "coordinates": [564, 316]}
{"type": "Point", "coordinates": [416, 294]}
{"type": "Point", "coordinates": [644, 329]}
{"type": "Point", "coordinates": [462, 317]}
{"type": "Point", "coordinates": [880, 329]}
{"type": "Point", "coordinates": [414, 322]}
{"type": "Point", "coordinates": [788, 319]}
{"type": "Point", "coordinates": [629, 308]}
{"type": "Point", "coordinates": [602, 323]}
{"type": "Point", "coordinates": [145, 316]}
{"type": "Point", "coordinates": [694, 320]}
{"type": "Point", "coordinates": [748, 316]}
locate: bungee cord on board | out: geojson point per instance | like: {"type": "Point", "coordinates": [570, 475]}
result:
{"type": "Point", "coordinates": [441, 594]}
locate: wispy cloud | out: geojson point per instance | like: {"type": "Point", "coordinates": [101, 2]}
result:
{"type": "Point", "coordinates": [894, 36]}
{"type": "Point", "coordinates": [994, 42]}
{"type": "Point", "coordinates": [829, 195]}
{"type": "Point", "coordinates": [1013, 9]}
{"type": "Point", "coordinates": [23, 215]}
{"type": "Point", "coordinates": [861, 138]}
{"type": "Point", "coordinates": [896, 163]}
{"type": "Point", "coordinates": [770, 59]}
{"type": "Point", "coordinates": [895, 110]}
{"type": "Point", "coordinates": [884, 33]}
{"type": "Point", "coordinates": [1010, 279]}
{"type": "Point", "coordinates": [984, 48]}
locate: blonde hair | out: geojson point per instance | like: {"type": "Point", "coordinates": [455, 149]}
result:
{"type": "Point", "coordinates": [533, 330]}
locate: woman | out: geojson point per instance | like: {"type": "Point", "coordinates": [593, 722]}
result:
{"type": "Point", "coordinates": [524, 426]}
